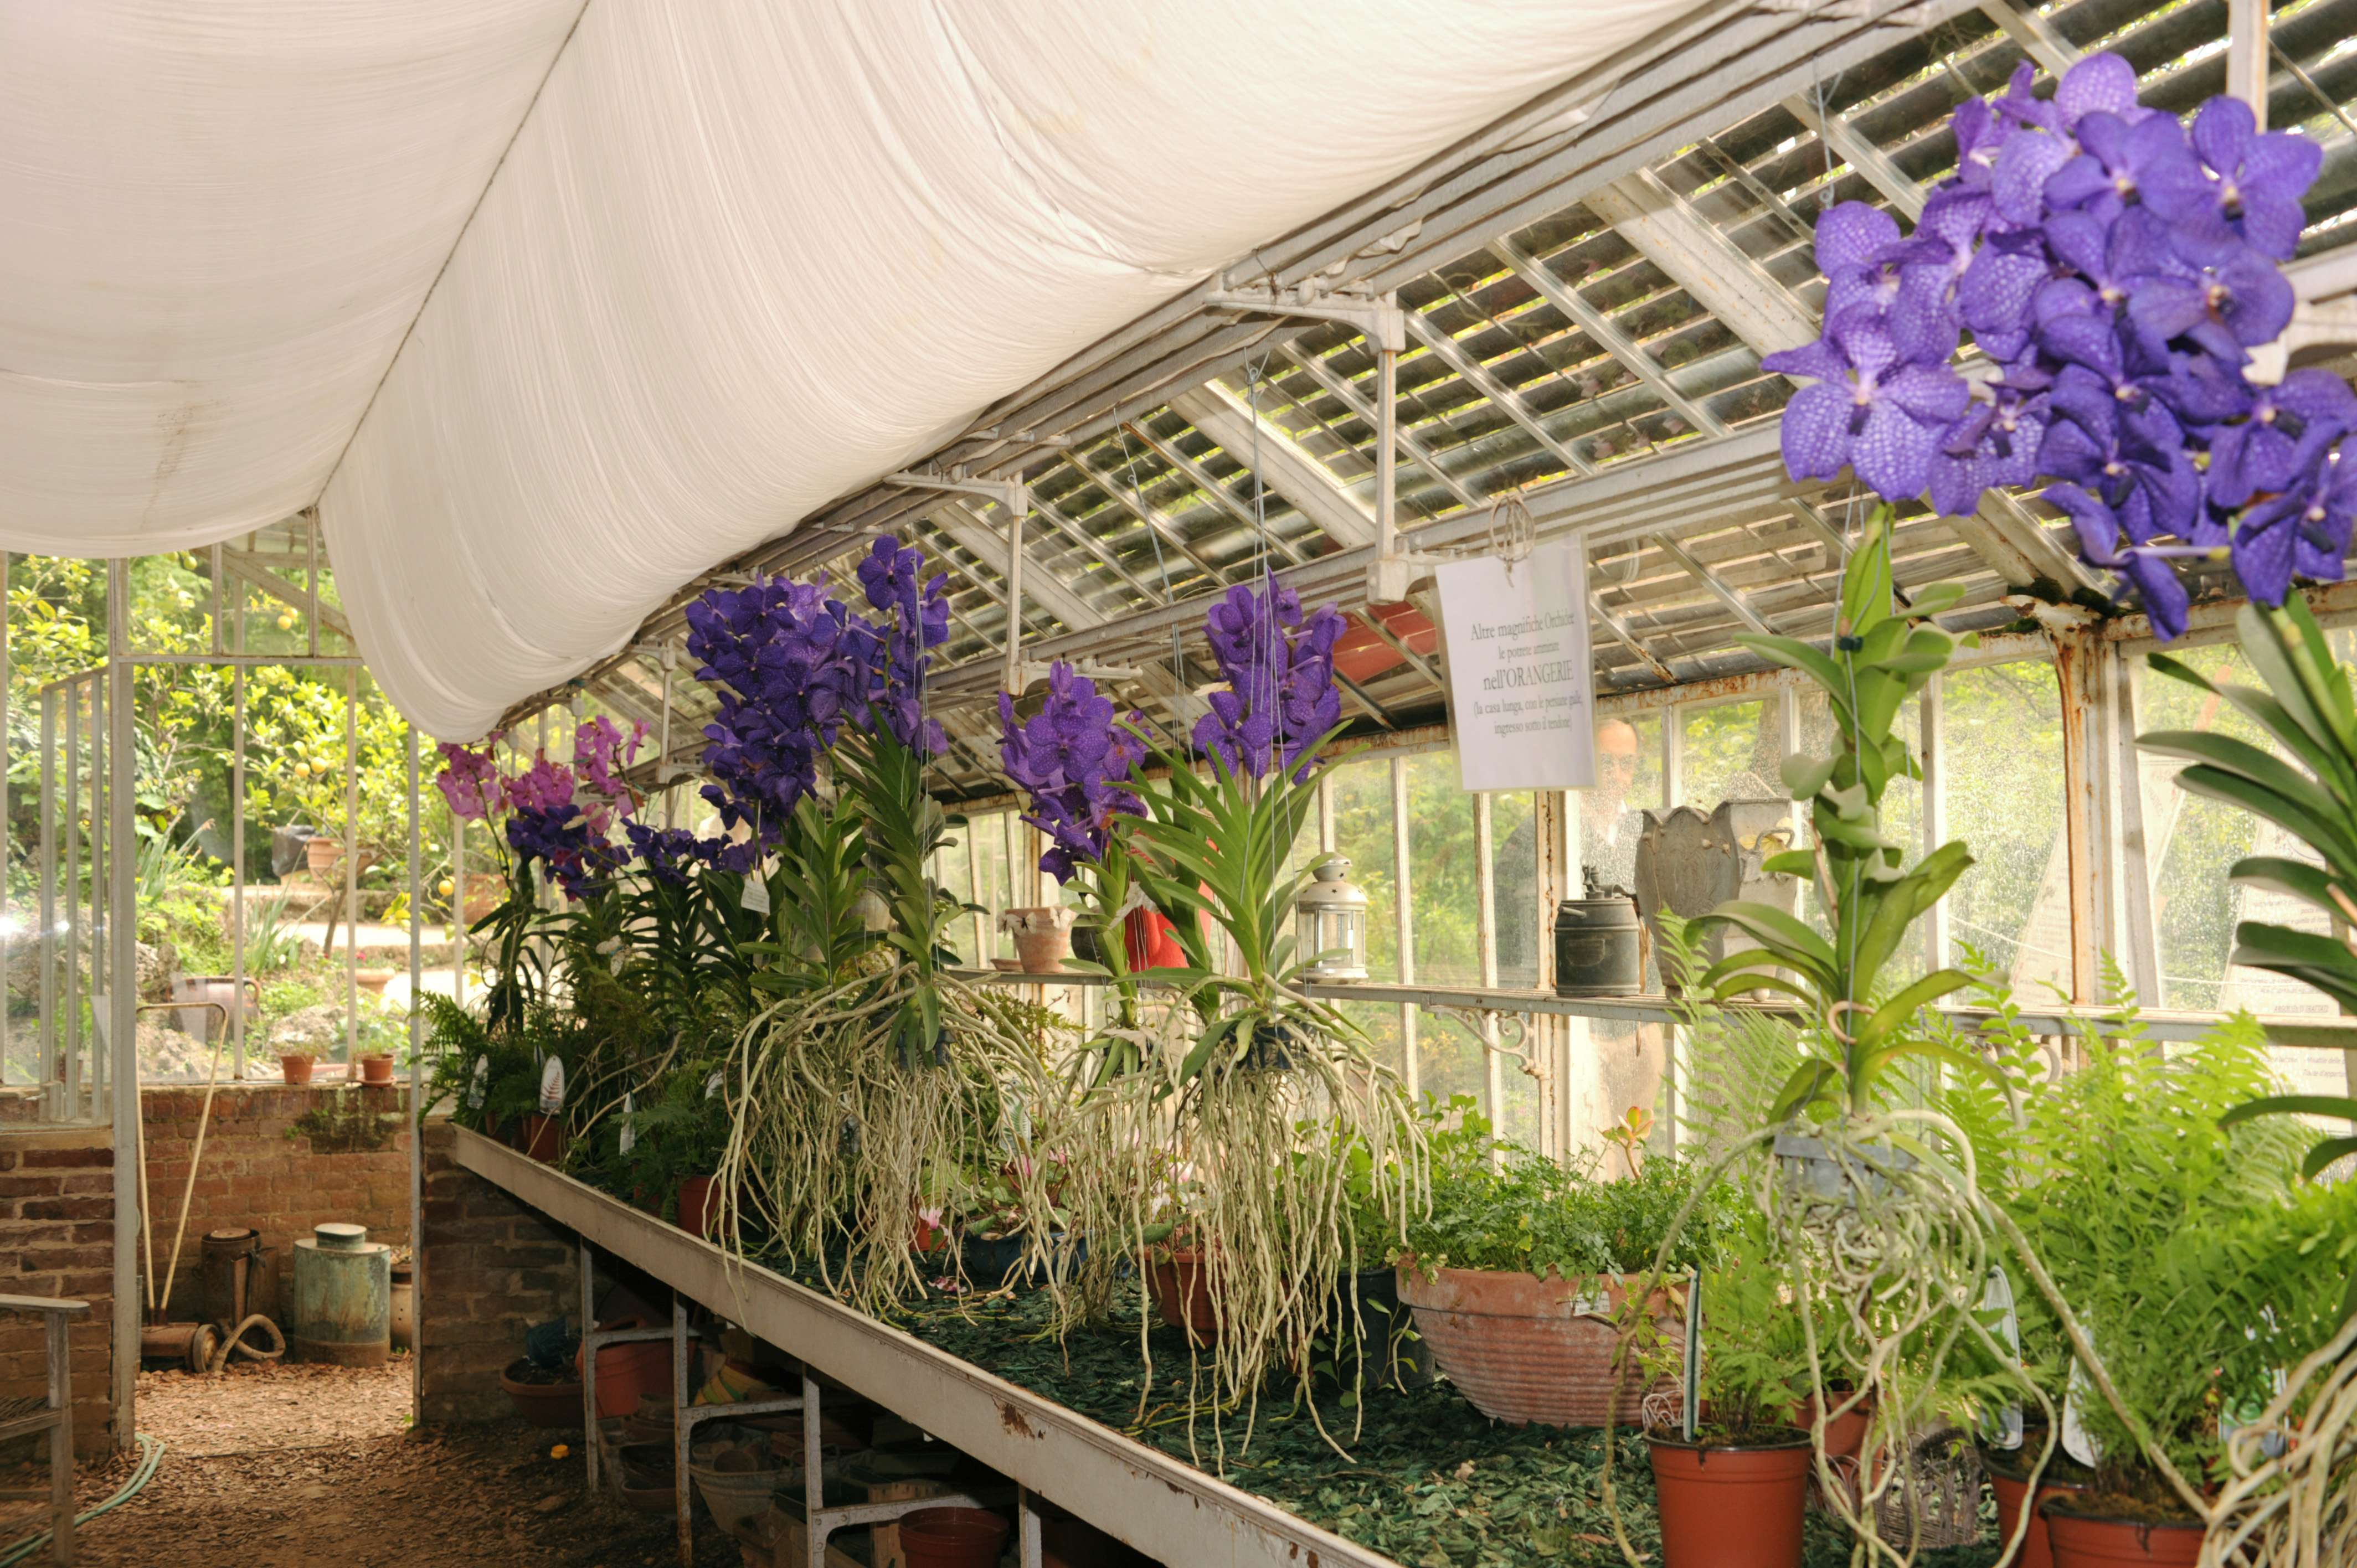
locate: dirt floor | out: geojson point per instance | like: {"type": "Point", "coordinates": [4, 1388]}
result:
{"type": "Point", "coordinates": [290, 1467]}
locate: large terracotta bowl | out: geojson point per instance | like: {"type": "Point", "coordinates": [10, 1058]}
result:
{"type": "Point", "coordinates": [1524, 1348]}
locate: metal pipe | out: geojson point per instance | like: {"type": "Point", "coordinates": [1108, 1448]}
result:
{"type": "Point", "coordinates": [1013, 680]}
{"type": "Point", "coordinates": [1485, 939]}
{"type": "Point", "coordinates": [417, 1089]}
{"type": "Point", "coordinates": [351, 871]}
{"type": "Point", "coordinates": [52, 1065]}
{"type": "Point", "coordinates": [237, 872]}
{"type": "Point", "coordinates": [1404, 916]}
{"type": "Point", "coordinates": [123, 996]}
{"type": "Point", "coordinates": [2248, 24]}
{"type": "Point", "coordinates": [70, 884]}
{"type": "Point", "coordinates": [101, 952]}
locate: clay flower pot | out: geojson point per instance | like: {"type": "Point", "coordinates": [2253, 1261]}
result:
{"type": "Point", "coordinates": [1731, 1507]}
{"type": "Point", "coordinates": [377, 1068]}
{"type": "Point", "coordinates": [320, 854]}
{"type": "Point", "coordinates": [1043, 936]}
{"type": "Point", "coordinates": [296, 1066]}
{"type": "Point", "coordinates": [1180, 1284]}
{"type": "Point", "coordinates": [699, 1207]}
{"type": "Point", "coordinates": [544, 1138]}
{"type": "Point", "coordinates": [484, 894]}
{"type": "Point", "coordinates": [556, 1406]}
{"type": "Point", "coordinates": [374, 981]}
{"type": "Point", "coordinates": [2008, 1473]}
{"type": "Point", "coordinates": [952, 1537]}
{"type": "Point", "coordinates": [1522, 1348]}
{"type": "Point", "coordinates": [2084, 1540]}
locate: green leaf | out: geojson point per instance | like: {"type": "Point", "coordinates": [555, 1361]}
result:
{"type": "Point", "coordinates": [2326, 1152]}
{"type": "Point", "coordinates": [2297, 878]}
{"type": "Point", "coordinates": [1804, 776]}
{"type": "Point", "coordinates": [1799, 862]}
{"type": "Point", "coordinates": [1774, 928]}
{"type": "Point", "coordinates": [1809, 1081]}
{"type": "Point", "coordinates": [1796, 655]}
{"type": "Point", "coordinates": [2339, 1105]}
{"type": "Point", "coordinates": [2263, 769]}
{"type": "Point", "coordinates": [1903, 1006]}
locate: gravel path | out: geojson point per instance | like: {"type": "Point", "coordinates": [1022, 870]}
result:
{"type": "Point", "coordinates": [291, 1466]}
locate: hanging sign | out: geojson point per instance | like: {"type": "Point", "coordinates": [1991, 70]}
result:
{"type": "Point", "coordinates": [1518, 672]}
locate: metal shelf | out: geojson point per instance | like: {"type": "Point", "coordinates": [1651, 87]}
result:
{"type": "Point", "coordinates": [1158, 1504]}
{"type": "Point", "coordinates": [2313, 1031]}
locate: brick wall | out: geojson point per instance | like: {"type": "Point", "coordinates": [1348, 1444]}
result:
{"type": "Point", "coordinates": [488, 1269]}
{"type": "Point", "coordinates": [281, 1159]}
{"type": "Point", "coordinates": [57, 1238]}
{"type": "Point", "coordinates": [276, 1157]}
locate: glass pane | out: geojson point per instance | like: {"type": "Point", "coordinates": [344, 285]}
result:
{"type": "Point", "coordinates": [1627, 781]}
{"type": "Point", "coordinates": [1362, 831]}
{"type": "Point", "coordinates": [2005, 798]}
{"type": "Point", "coordinates": [1729, 755]}
{"type": "Point", "coordinates": [1441, 864]}
{"type": "Point", "coordinates": [1514, 878]}
{"type": "Point", "coordinates": [1450, 1054]}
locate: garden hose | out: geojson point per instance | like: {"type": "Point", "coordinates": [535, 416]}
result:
{"type": "Point", "coordinates": [151, 1452]}
{"type": "Point", "coordinates": [236, 1341]}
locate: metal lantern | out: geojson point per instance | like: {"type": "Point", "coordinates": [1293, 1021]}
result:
{"type": "Point", "coordinates": [1330, 922]}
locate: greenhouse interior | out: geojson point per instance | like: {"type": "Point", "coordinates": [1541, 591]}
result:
{"type": "Point", "coordinates": [933, 785]}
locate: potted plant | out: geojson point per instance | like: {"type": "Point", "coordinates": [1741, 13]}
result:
{"type": "Point", "coordinates": [1043, 936]}
{"type": "Point", "coordinates": [1732, 1483]}
{"type": "Point", "coordinates": [2196, 1266]}
{"type": "Point", "coordinates": [1520, 1278]}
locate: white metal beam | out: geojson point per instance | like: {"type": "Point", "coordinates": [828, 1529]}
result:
{"type": "Point", "coordinates": [1288, 471]}
{"type": "Point", "coordinates": [1410, 444]}
{"type": "Point", "coordinates": [2055, 53]}
{"type": "Point", "coordinates": [1657, 221]}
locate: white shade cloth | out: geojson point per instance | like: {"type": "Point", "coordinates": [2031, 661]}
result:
{"type": "Point", "coordinates": [741, 257]}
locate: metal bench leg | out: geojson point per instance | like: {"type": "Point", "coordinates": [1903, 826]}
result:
{"type": "Point", "coordinates": [62, 1459]}
{"type": "Point", "coordinates": [1026, 1530]}
{"type": "Point", "coordinates": [814, 1532]}
{"type": "Point", "coordinates": [590, 1432]}
{"type": "Point", "coordinates": [684, 1499]}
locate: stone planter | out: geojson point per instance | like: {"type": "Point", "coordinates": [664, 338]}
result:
{"type": "Point", "coordinates": [1522, 1348]}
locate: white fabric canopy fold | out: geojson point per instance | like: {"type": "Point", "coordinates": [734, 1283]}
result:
{"type": "Point", "coordinates": [743, 256]}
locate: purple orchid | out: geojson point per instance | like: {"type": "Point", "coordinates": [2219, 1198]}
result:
{"type": "Point", "coordinates": [2265, 450]}
{"type": "Point", "coordinates": [2305, 527]}
{"type": "Point", "coordinates": [1869, 410]}
{"type": "Point", "coordinates": [2120, 268]}
{"type": "Point", "coordinates": [1074, 762]}
{"type": "Point", "coordinates": [469, 779]}
{"type": "Point", "coordinates": [793, 668]}
{"type": "Point", "coordinates": [1281, 698]}
{"type": "Point", "coordinates": [919, 620]}
{"type": "Point", "coordinates": [2255, 185]}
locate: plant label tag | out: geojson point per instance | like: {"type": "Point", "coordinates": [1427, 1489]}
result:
{"type": "Point", "coordinates": [756, 893]}
{"type": "Point", "coordinates": [1591, 1304]}
{"type": "Point", "coordinates": [630, 1138]}
{"type": "Point", "coordinates": [2004, 1427]}
{"type": "Point", "coordinates": [551, 1086]}
{"type": "Point", "coordinates": [475, 1083]}
{"type": "Point", "coordinates": [712, 1085]}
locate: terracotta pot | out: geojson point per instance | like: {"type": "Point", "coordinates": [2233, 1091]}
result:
{"type": "Point", "coordinates": [1043, 936]}
{"type": "Point", "coordinates": [321, 852]}
{"type": "Point", "coordinates": [1732, 1507]}
{"type": "Point", "coordinates": [374, 981]}
{"type": "Point", "coordinates": [556, 1406]}
{"type": "Point", "coordinates": [1845, 1433]}
{"type": "Point", "coordinates": [648, 1481]}
{"type": "Point", "coordinates": [2081, 1540]}
{"type": "Point", "coordinates": [294, 1067]}
{"type": "Point", "coordinates": [1520, 1348]}
{"type": "Point", "coordinates": [376, 1067]}
{"type": "Point", "coordinates": [1181, 1287]}
{"type": "Point", "coordinates": [544, 1138]}
{"type": "Point", "coordinates": [628, 1373]}
{"type": "Point", "coordinates": [699, 1207]}
{"type": "Point", "coordinates": [952, 1537]}
{"type": "Point", "coordinates": [2007, 1477]}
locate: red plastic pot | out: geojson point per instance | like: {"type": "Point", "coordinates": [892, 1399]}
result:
{"type": "Point", "coordinates": [2037, 1551]}
{"type": "Point", "coordinates": [952, 1537]}
{"type": "Point", "coordinates": [699, 1209]}
{"type": "Point", "coordinates": [1732, 1507]}
{"type": "Point", "coordinates": [626, 1373]}
{"type": "Point", "coordinates": [2083, 1541]}
{"type": "Point", "coordinates": [1181, 1287]}
{"type": "Point", "coordinates": [1845, 1432]}
{"type": "Point", "coordinates": [544, 1138]}
{"type": "Point", "coordinates": [1151, 941]}
{"type": "Point", "coordinates": [1520, 1347]}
